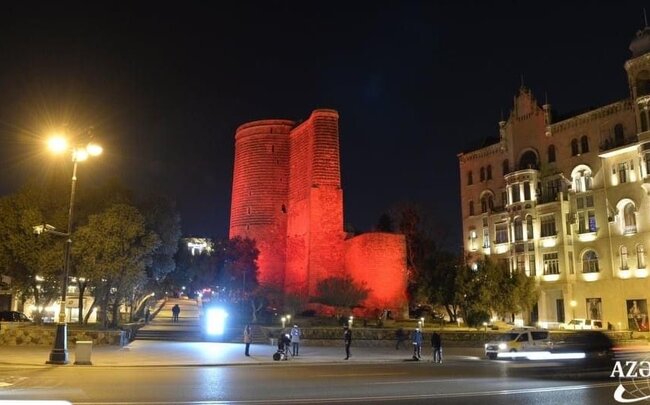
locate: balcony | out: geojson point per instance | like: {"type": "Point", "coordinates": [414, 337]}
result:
{"type": "Point", "coordinates": [612, 143]}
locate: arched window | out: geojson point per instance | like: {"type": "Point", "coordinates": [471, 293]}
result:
{"type": "Point", "coordinates": [487, 203]}
{"type": "Point", "coordinates": [619, 137]}
{"type": "Point", "coordinates": [623, 254]}
{"type": "Point", "coordinates": [581, 176]}
{"type": "Point", "coordinates": [574, 147]}
{"type": "Point", "coordinates": [519, 229]}
{"type": "Point", "coordinates": [529, 228]}
{"type": "Point", "coordinates": [483, 205]}
{"type": "Point", "coordinates": [528, 160]}
{"type": "Point", "coordinates": [490, 202]}
{"type": "Point", "coordinates": [590, 262]}
{"type": "Point", "coordinates": [551, 153]}
{"type": "Point", "coordinates": [489, 172]}
{"type": "Point", "coordinates": [629, 219]}
{"type": "Point", "coordinates": [584, 144]}
{"type": "Point", "coordinates": [506, 167]}
{"type": "Point", "coordinates": [640, 256]}
{"type": "Point", "coordinates": [470, 180]}
{"type": "Point", "coordinates": [482, 174]}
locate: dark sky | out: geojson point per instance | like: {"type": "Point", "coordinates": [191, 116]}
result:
{"type": "Point", "coordinates": [415, 83]}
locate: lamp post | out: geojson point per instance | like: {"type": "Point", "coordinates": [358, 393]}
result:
{"type": "Point", "coordinates": [59, 353]}
{"type": "Point", "coordinates": [284, 322]}
{"type": "Point", "coordinates": [573, 307]}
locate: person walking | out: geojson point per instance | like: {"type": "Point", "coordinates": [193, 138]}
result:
{"type": "Point", "coordinates": [176, 310]}
{"type": "Point", "coordinates": [417, 344]}
{"type": "Point", "coordinates": [401, 337]}
{"type": "Point", "coordinates": [147, 315]}
{"type": "Point", "coordinates": [295, 339]}
{"type": "Point", "coordinates": [248, 339]}
{"type": "Point", "coordinates": [347, 339]}
{"type": "Point", "coordinates": [436, 345]}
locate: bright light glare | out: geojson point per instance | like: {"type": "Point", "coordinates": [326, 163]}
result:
{"type": "Point", "coordinates": [543, 355]}
{"type": "Point", "coordinates": [80, 155]}
{"type": "Point", "coordinates": [94, 149]}
{"type": "Point", "coordinates": [215, 321]}
{"type": "Point", "coordinates": [57, 144]}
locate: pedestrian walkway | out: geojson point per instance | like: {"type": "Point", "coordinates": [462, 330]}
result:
{"type": "Point", "coordinates": [161, 326]}
{"type": "Point", "coordinates": [164, 353]}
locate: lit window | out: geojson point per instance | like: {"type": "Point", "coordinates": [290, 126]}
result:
{"type": "Point", "coordinates": [551, 263]}
{"type": "Point", "coordinates": [629, 219]}
{"type": "Point", "coordinates": [486, 238]}
{"type": "Point", "coordinates": [548, 226]}
{"type": "Point", "coordinates": [590, 262]}
{"type": "Point", "coordinates": [519, 229]}
{"type": "Point", "coordinates": [623, 254]}
{"type": "Point", "coordinates": [529, 228]}
{"type": "Point", "coordinates": [501, 233]}
{"type": "Point", "coordinates": [640, 256]}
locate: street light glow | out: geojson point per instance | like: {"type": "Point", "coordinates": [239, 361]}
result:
{"type": "Point", "coordinates": [94, 149]}
{"type": "Point", "coordinates": [57, 144]}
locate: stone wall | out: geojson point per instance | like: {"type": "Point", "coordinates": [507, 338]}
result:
{"type": "Point", "coordinates": [33, 335]}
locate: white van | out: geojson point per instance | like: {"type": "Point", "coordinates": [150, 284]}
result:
{"type": "Point", "coordinates": [582, 324]}
{"type": "Point", "coordinates": [519, 340]}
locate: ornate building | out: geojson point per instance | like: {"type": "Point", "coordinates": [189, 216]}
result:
{"type": "Point", "coordinates": [565, 200]}
{"type": "Point", "coordinates": [287, 196]}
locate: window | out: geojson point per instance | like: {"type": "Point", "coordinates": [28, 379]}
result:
{"type": "Point", "coordinates": [629, 219]}
{"type": "Point", "coordinates": [548, 226]}
{"type": "Point", "coordinates": [504, 198]}
{"type": "Point", "coordinates": [526, 191]}
{"type": "Point", "coordinates": [623, 255]}
{"type": "Point", "coordinates": [521, 263]}
{"type": "Point", "coordinates": [646, 158]}
{"type": "Point", "coordinates": [574, 147]}
{"type": "Point", "coordinates": [587, 221]}
{"type": "Point", "coordinates": [619, 136]}
{"type": "Point", "coordinates": [506, 167]}
{"type": "Point", "coordinates": [529, 228]}
{"type": "Point", "coordinates": [470, 181]}
{"type": "Point", "coordinates": [590, 262]}
{"type": "Point", "coordinates": [487, 203]}
{"type": "Point", "coordinates": [471, 208]}
{"type": "Point", "coordinates": [519, 229]}
{"type": "Point", "coordinates": [532, 267]}
{"type": "Point", "coordinates": [486, 238]}
{"type": "Point", "coordinates": [622, 173]}
{"type": "Point", "coordinates": [501, 233]}
{"type": "Point", "coordinates": [582, 179]}
{"type": "Point", "coordinates": [584, 144]}
{"type": "Point", "coordinates": [482, 175]}
{"type": "Point", "coordinates": [640, 256]}
{"type": "Point", "coordinates": [489, 172]}
{"type": "Point", "coordinates": [551, 153]}
{"type": "Point", "coordinates": [516, 197]}
{"type": "Point", "coordinates": [551, 263]}
{"type": "Point", "coordinates": [472, 239]}
{"type": "Point", "coordinates": [553, 187]}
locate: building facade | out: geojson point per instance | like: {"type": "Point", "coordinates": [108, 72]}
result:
{"type": "Point", "coordinates": [287, 196]}
{"type": "Point", "coordinates": [565, 200]}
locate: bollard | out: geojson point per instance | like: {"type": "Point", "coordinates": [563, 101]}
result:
{"type": "Point", "coordinates": [83, 350]}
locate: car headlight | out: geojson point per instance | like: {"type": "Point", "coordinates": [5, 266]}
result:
{"type": "Point", "coordinates": [486, 345]}
{"type": "Point", "coordinates": [503, 346]}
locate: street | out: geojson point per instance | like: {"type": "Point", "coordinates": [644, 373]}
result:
{"type": "Point", "coordinates": [407, 382]}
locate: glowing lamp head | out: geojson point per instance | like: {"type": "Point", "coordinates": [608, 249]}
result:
{"type": "Point", "coordinates": [57, 144]}
{"type": "Point", "coordinates": [94, 149]}
{"type": "Point", "coordinates": [80, 155]}
{"type": "Point", "coordinates": [215, 321]}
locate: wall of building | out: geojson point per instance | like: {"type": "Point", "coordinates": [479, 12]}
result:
{"type": "Point", "coordinates": [379, 260]}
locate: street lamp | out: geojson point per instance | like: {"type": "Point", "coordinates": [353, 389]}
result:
{"type": "Point", "coordinates": [284, 322]}
{"type": "Point", "coordinates": [573, 307]}
{"type": "Point", "coordinates": [58, 144]}
{"type": "Point", "coordinates": [422, 320]}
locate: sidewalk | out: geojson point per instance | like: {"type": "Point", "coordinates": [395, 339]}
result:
{"type": "Point", "coordinates": [159, 353]}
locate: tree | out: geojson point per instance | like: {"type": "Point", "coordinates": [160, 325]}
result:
{"type": "Point", "coordinates": [341, 292]}
{"type": "Point", "coordinates": [439, 281]}
{"type": "Point", "coordinates": [385, 223]}
{"type": "Point", "coordinates": [240, 267]}
{"type": "Point", "coordinates": [112, 251]}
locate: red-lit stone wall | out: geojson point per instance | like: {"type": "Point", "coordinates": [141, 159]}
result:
{"type": "Point", "coordinates": [259, 193]}
{"type": "Point", "coordinates": [379, 260]}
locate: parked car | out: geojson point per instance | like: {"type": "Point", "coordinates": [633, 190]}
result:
{"type": "Point", "coordinates": [582, 324]}
{"type": "Point", "coordinates": [13, 316]}
{"type": "Point", "coordinates": [519, 340]}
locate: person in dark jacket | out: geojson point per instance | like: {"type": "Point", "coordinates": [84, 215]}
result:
{"type": "Point", "coordinates": [436, 345]}
{"type": "Point", "coordinates": [347, 339]}
{"type": "Point", "coordinates": [176, 310]}
{"type": "Point", "coordinates": [417, 344]}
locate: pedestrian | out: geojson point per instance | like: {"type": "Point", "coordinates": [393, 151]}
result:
{"type": "Point", "coordinates": [283, 344]}
{"type": "Point", "coordinates": [248, 339]}
{"type": "Point", "coordinates": [347, 339]}
{"type": "Point", "coordinates": [417, 344]}
{"type": "Point", "coordinates": [147, 314]}
{"type": "Point", "coordinates": [295, 339]}
{"type": "Point", "coordinates": [176, 310]}
{"type": "Point", "coordinates": [401, 337]}
{"type": "Point", "coordinates": [436, 345]}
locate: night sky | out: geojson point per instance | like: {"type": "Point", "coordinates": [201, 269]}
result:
{"type": "Point", "coordinates": [415, 83]}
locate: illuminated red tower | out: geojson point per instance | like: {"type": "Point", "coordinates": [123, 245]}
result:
{"type": "Point", "coordinates": [287, 196]}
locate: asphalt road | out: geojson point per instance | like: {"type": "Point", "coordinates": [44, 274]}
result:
{"type": "Point", "coordinates": [455, 382]}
